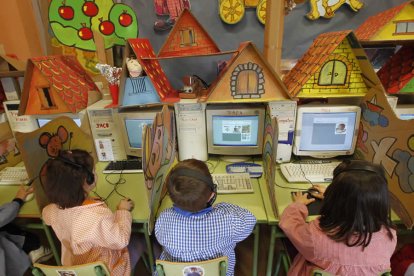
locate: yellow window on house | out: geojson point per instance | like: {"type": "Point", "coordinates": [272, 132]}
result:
{"type": "Point", "coordinates": [333, 73]}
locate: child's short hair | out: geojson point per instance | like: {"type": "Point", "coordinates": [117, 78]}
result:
{"type": "Point", "coordinates": [63, 181]}
{"type": "Point", "coordinates": [190, 193]}
{"type": "Point", "coordinates": [356, 203]}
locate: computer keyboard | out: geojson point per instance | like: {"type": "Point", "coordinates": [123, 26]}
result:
{"type": "Point", "coordinates": [13, 176]}
{"type": "Point", "coordinates": [234, 183]}
{"type": "Point", "coordinates": [309, 171]}
{"type": "Point", "coordinates": [124, 166]}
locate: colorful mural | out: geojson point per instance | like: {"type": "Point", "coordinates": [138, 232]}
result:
{"type": "Point", "coordinates": [61, 133]}
{"type": "Point", "coordinates": [269, 156]}
{"type": "Point", "coordinates": [327, 8]}
{"type": "Point", "coordinates": [388, 141]}
{"type": "Point", "coordinates": [159, 153]}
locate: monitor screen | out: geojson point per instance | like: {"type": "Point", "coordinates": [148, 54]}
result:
{"type": "Point", "coordinates": [134, 130]}
{"type": "Point", "coordinates": [235, 130]}
{"type": "Point", "coordinates": [326, 131]}
{"type": "Point", "coordinates": [43, 121]}
{"type": "Point", "coordinates": [131, 125]}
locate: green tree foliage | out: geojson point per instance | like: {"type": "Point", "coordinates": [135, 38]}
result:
{"type": "Point", "coordinates": [74, 22]}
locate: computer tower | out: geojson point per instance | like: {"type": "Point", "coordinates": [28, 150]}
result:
{"type": "Point", "coordinates": [106, 135]}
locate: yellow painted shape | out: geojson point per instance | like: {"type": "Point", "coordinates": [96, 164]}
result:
{"type": "Point", "coordinates": [356, 86]}
{"type": "Point", "coordinates": [387, 32]}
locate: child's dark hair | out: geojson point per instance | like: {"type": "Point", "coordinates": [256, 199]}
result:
{"type": "Point", "coordinates": [63, 182]}
{"type": "Point", "coordinates": [356, 203]}
{"type": "Point", "coordinates": [189, 193]}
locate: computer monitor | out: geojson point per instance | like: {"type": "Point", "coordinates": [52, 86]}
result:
{"type": "Point", "coordinates": [131, 125]}
{"type": "Point", "coordinates": [44, 119]}
{"type": "Point", "coordinates": [326, 131]}
{"type": "Point", "coordinates": [405, 111]}
{"type": "Point", "coordinates": [235, 131]}
{"type": "Point", "coordinates": [24, 123]}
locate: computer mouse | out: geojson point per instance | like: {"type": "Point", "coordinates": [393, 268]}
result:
{"type": "Point", "coordinates": [29, 197]}
{"type": "Point", "coordinates": [313, 191]}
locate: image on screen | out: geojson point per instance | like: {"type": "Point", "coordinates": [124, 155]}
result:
{"type": "Point", "coordinates": [235, 130]}
{"type": "Point", "coordinates": [328, 131]}
{"type": "Point", "coordinates": [41, 121]}
{"type": "Point", "coordinates": [134, 130]}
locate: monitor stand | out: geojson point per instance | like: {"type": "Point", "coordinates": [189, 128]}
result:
{"type": "Point", "coordinates": [234, 158]}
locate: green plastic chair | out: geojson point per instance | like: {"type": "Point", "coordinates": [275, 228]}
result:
{"type": "Point", "coordinates": [215, 267]}
{"type": "Point", "coordinates": [89, 269]}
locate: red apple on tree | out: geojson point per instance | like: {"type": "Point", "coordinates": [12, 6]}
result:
{"type": "Point", "coordinates": [125, 19]}
{"type": "Point", "coordinates": [66, 12]}
{"type": "Point", "coordinates": [85, 33]}
{"type": "Point", "coordinates": [90, 9]}
{"type": "Point", "coordinates": [106, 27]}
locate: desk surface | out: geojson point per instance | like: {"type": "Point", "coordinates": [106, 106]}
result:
{"type": "Point", "coordinates": [28, 210]}
{"type": "Point", "coordinates": [134, 187]}
{"type": "Point", "coordinates": [283, 195]}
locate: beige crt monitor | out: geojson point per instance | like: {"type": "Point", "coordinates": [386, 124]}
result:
{"type": "Point", "coordinates": [131, 124]}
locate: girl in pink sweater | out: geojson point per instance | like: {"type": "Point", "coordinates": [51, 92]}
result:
{"type": "Point", "coordinates": [87, 229]}
{"type": "Point", "coordinates": [353, 234]}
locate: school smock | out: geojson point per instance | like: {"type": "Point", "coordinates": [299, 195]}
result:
{"type": "Point", "coordinates": [317, 250]}
{"type": "Point", "coordinates": [209, 234]}
{"type": "Point", "coordinates": [92, 232]}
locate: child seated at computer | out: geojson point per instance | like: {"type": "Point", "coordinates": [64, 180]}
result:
{"type": "Point", "coordinates": [353, 234]}
{"type": "Point", "coordinates": [193, 229]}
{"type": "Point", "coordinates": [18, 248]}
{"type": "Point", "coordinates": [87, 229]}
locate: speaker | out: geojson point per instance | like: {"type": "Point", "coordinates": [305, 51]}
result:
{"type": "Point", "coordinates": [90, 177]}
{"type": "Point", "coordinates": [359, 165]}
{"type": "Point", "coordinates": [196, 175]}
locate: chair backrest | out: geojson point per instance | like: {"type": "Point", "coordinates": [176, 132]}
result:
{"type": "Point", "coordinates": [214, 267]}
{"type": "Point", "coordinates": [319, 272]}
{"type": "Point", "coordinates": [89, 269]}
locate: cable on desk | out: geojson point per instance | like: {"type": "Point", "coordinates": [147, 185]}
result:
{"type": "Point", "coordinates": [211, 166]}
{"type": "Point", "coordinates": [120, 180]}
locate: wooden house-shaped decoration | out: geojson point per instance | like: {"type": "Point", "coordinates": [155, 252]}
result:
{"type": "Point", "coordinates": [12, 73]}
{"type": "Point", "coordinates": [397, 75]}
{"type": "Point", "coordinates": [335, 65]}
{"type": "Point", "coordinates": [247, 77]}
{"type": "Point", "coordinates": [56, 84]}
{"type": "Point", "coordinates": [188, 38]}
{"type": "Point", "coordinates": [153, 86]}
{"type": "Point", "coordinates": [394, 26]}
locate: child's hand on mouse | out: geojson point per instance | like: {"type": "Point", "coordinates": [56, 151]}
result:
{"type": "Point", "coordinates": [302, 198]}
{"type": "Point", "coordinates": [22, 193]}
{"type": "Point", "coordinates": [320, 191]}
{"type": "Point", "coordinates": [126, 204]}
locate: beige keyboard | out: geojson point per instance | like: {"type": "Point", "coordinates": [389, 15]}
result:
{"type": "Point", "coordinates": [316, 171]}
{"type": "Point", "coordinates": [13, 176]}
{"type": "Point", "coordinates": [232, 183]}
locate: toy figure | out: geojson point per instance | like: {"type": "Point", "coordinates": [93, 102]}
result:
{"type": "Point", "coordinates": [173, 8]}
{"type": "Point", "coordinates": [134, 68]}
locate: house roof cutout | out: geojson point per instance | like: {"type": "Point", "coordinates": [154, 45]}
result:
{"type": "Point", "coordinates": [145, 54]}
{"type": "Point", "coordinates": [247, 77]}
{"type": "Point", "coordinates": [397, 74]}
{"type": "Point", "coordinates": [335, 65]}
{"type": "Point", "coordinates": [392, 25]}
{"type": "Point", "coordinates": [56, 84]}
{"type": "Point", "coordinates": [188, 38]}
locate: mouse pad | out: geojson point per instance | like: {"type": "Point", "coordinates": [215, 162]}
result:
{"type": "Point", "coordinates": [314, 207]}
